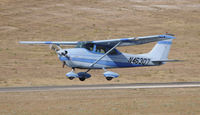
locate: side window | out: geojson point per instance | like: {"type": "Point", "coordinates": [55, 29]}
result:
{"type": "Point", "coordinates": [113, 52]}
{"type": "Point", "coordinates": [89, 47]}
{"type": "Point", "coordinates": [104, 49]}
{"type": "Point", "coordinates": [100, 49]}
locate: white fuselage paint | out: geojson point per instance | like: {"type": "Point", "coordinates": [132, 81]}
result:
{"type": "Point", "coordinates": [83, 58]}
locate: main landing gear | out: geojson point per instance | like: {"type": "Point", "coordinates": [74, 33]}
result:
{"type": "Point", "coordinates": [82, 78]}
{"type": "Point", "coordinates": [109, 75]}
{"type": "Point", "coordinates": [109, 78]}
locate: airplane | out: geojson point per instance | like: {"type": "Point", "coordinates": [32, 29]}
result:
{"type": "Point", "coordinates": [102, 54]}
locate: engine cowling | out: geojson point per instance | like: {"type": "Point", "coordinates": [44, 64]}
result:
{"type": "Point", "coordinates": [110, 75]}
{"type": "Point", "coordinates": [71, 75]}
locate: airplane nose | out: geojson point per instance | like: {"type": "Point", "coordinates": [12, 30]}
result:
{"type": "Point", "coordinates": [63, 53]}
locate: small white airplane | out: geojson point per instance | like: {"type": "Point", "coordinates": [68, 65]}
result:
{"type": "Point", "coordinates": [102, 54]}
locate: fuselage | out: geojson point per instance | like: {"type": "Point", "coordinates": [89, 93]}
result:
{"type": "Point", "coordinates": [83, 58]}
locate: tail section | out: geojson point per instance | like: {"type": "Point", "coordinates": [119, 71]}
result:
{"type": "Point", "coordinates": [161, 50]}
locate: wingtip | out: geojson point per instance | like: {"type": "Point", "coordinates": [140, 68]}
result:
{"type": "Point", "coordinates": [172, 36]}
{"type": "Point", "coordinates": [20, 42]}
{"type": "Point", "coordinates": [167, 36]}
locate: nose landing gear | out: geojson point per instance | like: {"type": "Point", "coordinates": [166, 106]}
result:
{"type": "Point", "coordinates": [71, 75]}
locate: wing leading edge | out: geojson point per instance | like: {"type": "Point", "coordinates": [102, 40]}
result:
{"type": "Point", "coordinates": [111, 42]}
{"type": "Point", "coordinates": [50, 42]}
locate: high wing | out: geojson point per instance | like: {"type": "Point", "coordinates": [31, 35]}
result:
{"type": "Point", "coordinates": [134, 40]}
{"type": "Point", "coordinates": [111, 42]}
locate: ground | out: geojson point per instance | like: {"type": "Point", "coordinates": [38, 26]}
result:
{"type": "Point", "coordinates": [181, 101]}
{"type": "Point", "coordinates": [71, 20]}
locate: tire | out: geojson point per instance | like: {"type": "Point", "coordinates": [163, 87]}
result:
{"type": "Point", "coordinates": [71, 78]}
{"type": "Point", "coordinates": [109, 78]}
{"type": "Point", "coordinates": [82, 78]}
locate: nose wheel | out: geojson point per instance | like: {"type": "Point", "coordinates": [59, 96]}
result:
{"type": "Point", "coordinates": [71, 75]}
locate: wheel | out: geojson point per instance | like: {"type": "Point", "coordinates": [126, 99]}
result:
{"type": "Point", "coordinates": [71, 78]}
{"type": "Point", "coordinates": [109, 78]}
{"type": "Point", "coordinates": [82, 78]}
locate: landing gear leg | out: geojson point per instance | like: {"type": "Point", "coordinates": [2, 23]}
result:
{"type": "Point", "coordinates": [73, 69]}
{"type": "Point", "coordinates": [104, 69]}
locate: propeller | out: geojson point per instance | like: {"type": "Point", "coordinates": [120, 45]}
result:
{"type": "Point", "coordinates": [60, 52]}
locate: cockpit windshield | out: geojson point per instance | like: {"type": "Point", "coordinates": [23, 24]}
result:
{"type": "Point", "coordinates": [86, 45]}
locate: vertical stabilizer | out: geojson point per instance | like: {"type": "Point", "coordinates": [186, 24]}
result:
{"type": "Point", "coordinates": [161, 50]}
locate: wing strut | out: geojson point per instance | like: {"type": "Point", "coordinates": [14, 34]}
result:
{"type": "Point", "coordinates": [103, 56]}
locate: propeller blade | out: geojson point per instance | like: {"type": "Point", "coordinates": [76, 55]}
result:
{"type": "Point", "coordinates": [51, 47]}
{"type": "Point", "coordinates": [54, 48]}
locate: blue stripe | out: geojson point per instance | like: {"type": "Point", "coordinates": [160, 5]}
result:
{"type": "Point", "coordinates": [107, 63]}
{"type": "Point", "coordinates": [48, 42]}
{"type": "Point", "coordinates": [124, 40]}
{"type": "Point", "coordinates": [165, 42]}
{"type": "Point", "coordinates": [63, 58]}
